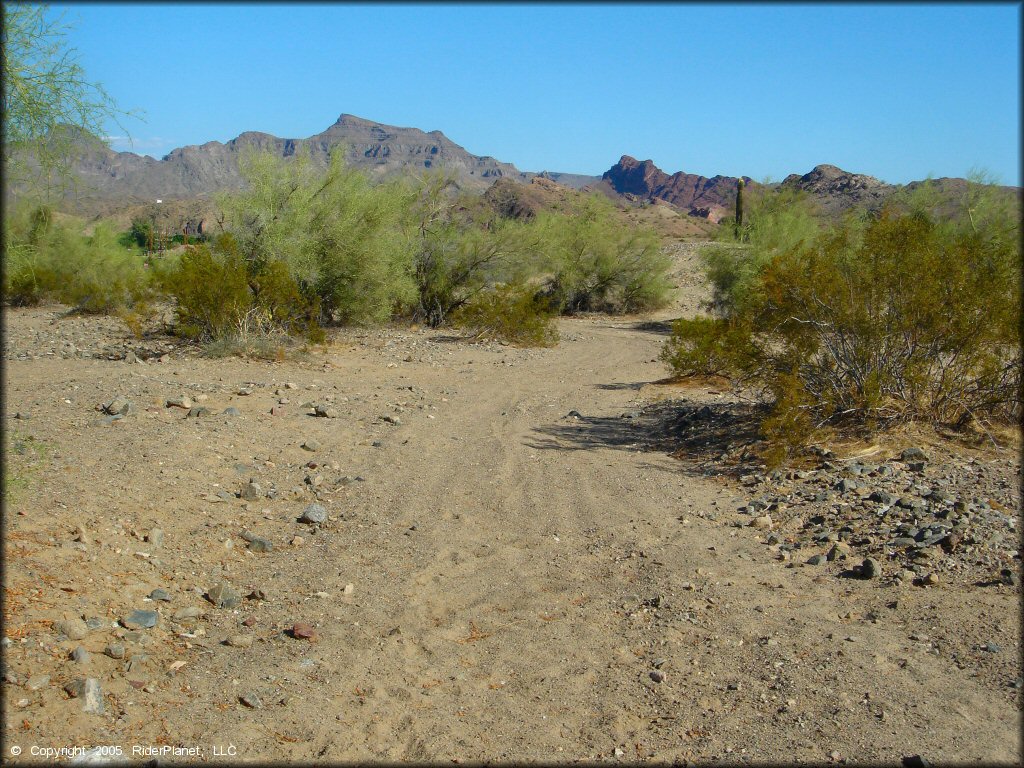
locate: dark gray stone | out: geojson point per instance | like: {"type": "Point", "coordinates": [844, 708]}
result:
{"type": "Point", "coordinates": [314, 514]}
{"type": "Point", "coordinates": [114, 651]}
{"type": "Point", "coordinates": [257, 544]}
{"type": "Point", "coordinates": [870, 569]}
{"type": "Point", "coordinates": [223, 595]}
{"type": "Point", "coordinates": [119, 406]}
{"type": "Point", "coordinates": [251, 491]}
{"type": "Point", "coordinates": [902, 541]}
{"type": "Point", "coordinates": [141, 619]}
{"type": "Point", "coordinates": [913, 454]}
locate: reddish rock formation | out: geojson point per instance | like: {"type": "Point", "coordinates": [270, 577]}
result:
{"type": "Point", "coordinates": [698, 195]}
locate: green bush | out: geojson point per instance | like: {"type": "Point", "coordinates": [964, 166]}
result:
{"type": "Point", "coordinates": [218, 299]}
{"type": "Point", "coordinates": [462, 247]}
{"type": "Point", "coordinates": [211, 288]}
{"type": "Point", "coordinates": [141, 232]}
{"type": "Point", "coordinates": [896, 321]}
{"type": "Point", "coordinates": [774, 221]}
{"type": "Point", "coordinates": [512, 313]}
{"type": "Point", "coordinates": [706, 346]}
{"type": "Point", "coordinates": [340, 238]}
{"type": "Point", "coordinates": [49, 261]}
{"type": "Point", "coordinates": [598, 264]}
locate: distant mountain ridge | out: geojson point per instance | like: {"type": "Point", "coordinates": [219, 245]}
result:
{"type": "Point", "coordinates": [106, 176]}
{"type": "Point", "coordinates": [110, 181]}
{"type": "Point", "coordinates": [832, 190]}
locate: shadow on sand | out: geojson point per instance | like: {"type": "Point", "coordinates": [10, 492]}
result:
{"type": "Point", "coordinates": [697, 434]}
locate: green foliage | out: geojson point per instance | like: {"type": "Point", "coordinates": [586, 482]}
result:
{"type": "Point", "coordinates": [512, 313]}
{"type": "Point", "coordinates": [898, 320]}
{"type": "Point", "coordinates": [211, 289]}
{"type": "Point", "coordinates": [141, 232]}
{"type": "Point", "coordinates": [106, 277]}
{"type": "Point", "coordinates": [597, 264]}
{"type": "Point", "coordinates": [45, 91]}
{"type": "Point", "coordinates": [704, 346]}
{"type": "Point", "coordinates": [775, 220]}
{"type": "Point", "coordinates": [462, 248]}
{"type": "Point", "coordinates": [218, 299]}
{"type": "Point", "coordinates": [976, 206]}
{"type": "Point", "coordinates": [790, 424]}
{"type": "Point", "coordinates": [24, 457]}
{"type": "Point", "coordinates": [47, 261]}
{"type": "Point", "coordinates": [340, 238]}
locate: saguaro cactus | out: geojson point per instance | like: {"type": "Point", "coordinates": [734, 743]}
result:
{"type": "Point", "coordinates": [739, 205]}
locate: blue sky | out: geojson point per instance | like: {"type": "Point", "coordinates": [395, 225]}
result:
{"type": "Point", "coordinates": [899, 92]}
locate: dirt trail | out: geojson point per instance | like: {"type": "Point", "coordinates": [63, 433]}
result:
{"type": "Point", "coordinates": [518, 572]}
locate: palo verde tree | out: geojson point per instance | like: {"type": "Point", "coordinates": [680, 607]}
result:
{"type": "Point", "coordinates": [337, 236]}
{"type": "Point", "coordinates": [49, 104]}
{"type": "Point", "coordinates": [464, 248]}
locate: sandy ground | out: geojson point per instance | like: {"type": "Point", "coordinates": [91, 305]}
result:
{"type": "Point", "coordinates": [496, 579]}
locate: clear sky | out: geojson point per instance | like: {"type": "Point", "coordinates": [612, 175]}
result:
{"type": "Point", "coordinates": [899, 92]}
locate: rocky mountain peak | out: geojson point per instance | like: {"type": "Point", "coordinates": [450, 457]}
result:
{"type": "Point", "coordinates": [120, 178]}
{"type": "Point", "coordinates": [835, 190]}
{"type": "Point", "coordinates": [695, 194]}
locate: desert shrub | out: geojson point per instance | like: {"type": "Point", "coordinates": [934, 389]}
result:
{"type": "Point", "coordinates": [461, 248]}
{"type": "Point", "coordinates": [598, 264]}
{"type": "Point", "coordinates": [211, 288]}
{"type": "Point", "coordinates": [106, 277]}
{"type": "Point", "coordinates": [28, 274]}
{"type": "Point", "coordinates": [973, 205]}
{"type": "Point", "coordinates": [218, 298]}
{"type": "Point", "coordinates": [140, 233]}
{"type": "Point", "coordinates": [774, 221]}
{"type": "Point", "coordinates": [340, 238]}
{"type": "Point", "coordinates": [901, 321]}
{"type": "Point", "coordinates": [49, 261]}
{"type": "Point", "coordinates": [514, 313]}
{"type": "Point", "coordinates": [707, 346]}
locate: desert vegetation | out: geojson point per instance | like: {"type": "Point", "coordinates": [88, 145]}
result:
{"type": "Point", "coordinates": [886, 317]}
{"type": "Point", "coordinates": [47, 259]}
{"type": "Point", "coordinates": [302, 247]}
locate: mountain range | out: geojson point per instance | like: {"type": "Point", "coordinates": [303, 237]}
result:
{"type": "Point", "coordinates": [109, 180]}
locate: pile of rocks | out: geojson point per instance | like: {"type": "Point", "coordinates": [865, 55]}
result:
{"type": "Point", "coordinates": [916, 517]}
